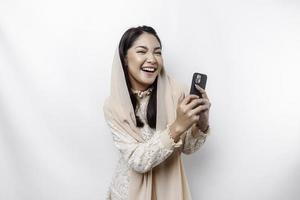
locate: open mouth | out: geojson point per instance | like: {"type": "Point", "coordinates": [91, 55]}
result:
{"type": "Point", "coordinates": [149, 69]}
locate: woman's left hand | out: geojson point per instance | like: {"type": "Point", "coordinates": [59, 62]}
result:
{"type": "Point", "coordinates": [203, 122]}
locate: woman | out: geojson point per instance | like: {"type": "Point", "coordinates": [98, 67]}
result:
{"type": "Point", "coordinates": [152, 122]}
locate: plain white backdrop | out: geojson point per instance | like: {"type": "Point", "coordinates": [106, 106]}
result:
{"type": "Point", "coordinates": [55, 62]}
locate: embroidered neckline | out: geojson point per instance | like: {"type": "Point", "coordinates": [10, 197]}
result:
{"type": "Point", "coordinates": [142, 94]}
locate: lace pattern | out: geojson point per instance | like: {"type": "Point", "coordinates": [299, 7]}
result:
{"type": "Point", "coordinates": [142, 157]}
{"type": "Point", "coordinates": [193, 143]}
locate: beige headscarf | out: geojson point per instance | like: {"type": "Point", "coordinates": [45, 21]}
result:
{"type": "Point", "coordinates": [167, 181]}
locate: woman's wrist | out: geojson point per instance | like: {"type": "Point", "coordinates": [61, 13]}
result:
{"type": "Point", "coordinates": [175, 132]}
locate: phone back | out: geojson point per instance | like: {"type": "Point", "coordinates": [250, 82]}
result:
{"type": "Point", "coordinates": [199, 79]}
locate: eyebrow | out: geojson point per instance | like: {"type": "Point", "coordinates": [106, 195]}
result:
{"type": "Point", "coordinates": [144, 47]}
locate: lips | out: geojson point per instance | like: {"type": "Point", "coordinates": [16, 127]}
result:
{"type": "Point", "coordinates": [149, 69]}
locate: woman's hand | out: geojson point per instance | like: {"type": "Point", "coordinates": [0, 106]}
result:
{"type": "Point", "coordinates": [203, 121]}
{"type": "Point", "coordinates": [188, 111]}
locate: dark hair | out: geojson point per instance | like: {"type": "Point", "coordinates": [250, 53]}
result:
{"type": "Point", "coordinates": [126, 42]}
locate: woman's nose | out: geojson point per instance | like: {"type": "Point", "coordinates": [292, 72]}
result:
{"type": "Point", "coordinates": [151, 58]}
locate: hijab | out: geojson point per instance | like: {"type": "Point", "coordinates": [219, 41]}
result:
{"type": "Point", "coordinates": [166, 181]}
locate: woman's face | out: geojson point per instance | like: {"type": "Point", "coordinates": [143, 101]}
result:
{"type": "Point", "coordinates": [144, 61]}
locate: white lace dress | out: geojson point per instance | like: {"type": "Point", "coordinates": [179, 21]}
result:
{"type": "Point", "coordinates": [142, 157]}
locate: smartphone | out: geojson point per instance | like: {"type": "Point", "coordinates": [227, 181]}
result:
{"type": "Point", "coordinates": [199, 79]}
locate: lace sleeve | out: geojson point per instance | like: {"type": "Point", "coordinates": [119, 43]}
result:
{"type": "Point", "coordinates": [142, 157]}
{"type": "Point", "coordinates": [193, 140]}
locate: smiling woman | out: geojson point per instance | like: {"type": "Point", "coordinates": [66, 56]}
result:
{"type": "Point", "coordinates": [151, 121]}
{"type": "Point", "coordinates": [144, 61]}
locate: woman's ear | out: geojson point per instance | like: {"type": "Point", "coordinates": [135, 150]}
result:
{"type": "Point", "coordinates": [126, 60]}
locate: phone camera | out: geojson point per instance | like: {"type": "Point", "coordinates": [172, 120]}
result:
{"type": "Point", "coordinates": [198, 79]}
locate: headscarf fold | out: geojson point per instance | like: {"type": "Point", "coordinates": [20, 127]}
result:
{"type": "Point", "coordinates": [167, 181]}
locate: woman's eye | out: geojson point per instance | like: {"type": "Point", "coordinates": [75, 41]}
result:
{"type": "Point", "coordinates": [158, 53]}
{"type": "Point", "coordinates": [142, 52]}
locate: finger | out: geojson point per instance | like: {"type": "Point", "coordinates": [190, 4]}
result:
{"type": "Point", "coordinates": [206, 102]}
{"type": "Point", "coordinates": [195, 118]}
{"type": "Point", "coordinates": [189, 98]}
{"type": "Point", "coordinates": [202, 91]}
{"type": "Point", "coordinates": [195, 103]}
{"type": "Point", "coordinates": [200, 109]}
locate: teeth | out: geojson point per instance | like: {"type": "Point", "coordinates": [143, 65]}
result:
{"type": "Point", "coordinates": [148, 69]}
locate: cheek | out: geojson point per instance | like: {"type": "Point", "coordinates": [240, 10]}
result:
{"type": "Point", "coordinates": [135, 63]}
{"type": "Point", "coordinates": [160, 62]}
{"type": "Point", "coordinates": [132, 70]}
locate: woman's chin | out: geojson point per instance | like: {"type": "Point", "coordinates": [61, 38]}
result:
{"type": "Point", "coordinates": [144, 84]}
{"type": "Point", "coordinates": [149, 81]}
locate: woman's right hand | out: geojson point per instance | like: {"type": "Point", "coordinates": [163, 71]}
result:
{"type": "Point", "coordinates": [187, 114]}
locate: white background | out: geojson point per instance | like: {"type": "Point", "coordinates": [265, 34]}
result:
{"type": "Point", "coordinates": [55, 62]}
